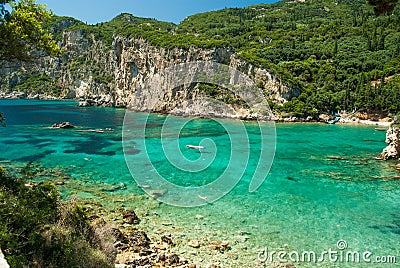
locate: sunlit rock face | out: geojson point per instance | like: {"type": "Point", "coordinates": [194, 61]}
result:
{"type": "Point", "coordinates": [392, 151]}
{"type": "Point", "coordinates": [111, 75]}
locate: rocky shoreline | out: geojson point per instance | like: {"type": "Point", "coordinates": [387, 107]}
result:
{"type": "Point", "coordinates": [22, 95]}
{"type": "Point", "coordinates": [105, 101]}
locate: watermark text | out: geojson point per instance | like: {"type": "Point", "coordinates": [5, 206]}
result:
{"type": "Point", "coordinates": [339, 254]}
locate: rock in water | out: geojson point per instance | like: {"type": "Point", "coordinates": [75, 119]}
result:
{"type": "Point", "coordinates": [130, 217]}
{"type": "Point", "coordinates": [83, 104]}
{"type": "Point", "coordinates": [63, 125]}
{"type": "Point", "coordinates": [167, 239]}
{"type": "Point", "coordinates": [194, 244]}
{"type": "Point", "coordinates": [392, 151]}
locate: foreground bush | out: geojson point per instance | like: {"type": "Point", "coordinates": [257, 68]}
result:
{"type": "Point", "coordinates": [37, 229]}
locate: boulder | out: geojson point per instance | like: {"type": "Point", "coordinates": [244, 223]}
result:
{"type": "Point", "coordinates": [323, 117]}
{"type": "Point", "coordinates": [310, 119]}
{"type": "Point", "coordinates": [130, 217]}
{"type": "Point", "coordinates": [83, 104]}
{"type": "Point", "coordinates": [173, 259]}
{"type": "Point", "coordinates": [88, 103]}
{"type": "Point", "coordinates": [118, 235]}
{"type": "Point", "coordinates": [138, 240]}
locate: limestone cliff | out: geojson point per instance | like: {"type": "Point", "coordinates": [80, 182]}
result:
{"type": "Point", "coordinates": [112, 75]}
{"type": "Point", "coordinates": [392, 151]}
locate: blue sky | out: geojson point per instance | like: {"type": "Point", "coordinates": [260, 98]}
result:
{"type": "Point", "coordinates": [94, 11]}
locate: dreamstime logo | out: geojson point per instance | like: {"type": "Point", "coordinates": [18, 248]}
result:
{"type": "Point", "coordinates": [340, 254]}
{"type": "Point", "coordinates": [164, 89]}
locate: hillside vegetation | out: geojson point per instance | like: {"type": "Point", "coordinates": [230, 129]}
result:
{"type": "Point", "coordinates": [38, 229]}
{"type": "Point", "coordinates": [338, 52]}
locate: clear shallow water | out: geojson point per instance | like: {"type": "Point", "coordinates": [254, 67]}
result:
{"type": "Point", "coordinates": [308, 202]}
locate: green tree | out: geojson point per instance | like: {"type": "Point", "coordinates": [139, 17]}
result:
{"type": "Point", "coordinates": [335, 48]}
{"type": "Point", "coordinates": [21, 30]}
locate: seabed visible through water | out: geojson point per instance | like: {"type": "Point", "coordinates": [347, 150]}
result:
{"type": "Point", "coordinates": [324, 185]}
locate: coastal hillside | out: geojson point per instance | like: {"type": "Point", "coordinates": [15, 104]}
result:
{"type": "Point", "coordinates": [309, 57]}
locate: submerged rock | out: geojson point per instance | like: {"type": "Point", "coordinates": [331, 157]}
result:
{"type": "Point", "coordinates": [392, 151]}
{"type": "Point", "coordinates": [158, 193]}
{"type": "Point", "coordinates": [167, 239]}
{"type": "Point", "coordinates": [212, 265]}
{"type": "Point", "coordinates": [336, 157]}
{"type": "Point", "coordinates": [220, 246]}
{"type": "Point", "coordinates": [194, 244]}
{"type": "Point", "coordinates": [397, 167]}
{"type": "Point", "coordinates": [130, 217]}
{"type": "Point", "coordinates": [63, 125]}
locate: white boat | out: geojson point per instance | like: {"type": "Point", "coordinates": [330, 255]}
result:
{"type": "Point", "coordinates": [194, 146]}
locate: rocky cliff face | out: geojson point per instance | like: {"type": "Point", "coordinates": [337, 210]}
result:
{"type": "Point", "coordinates": [136, 62]}
{"type": "Point", "coordinates": [392, 151]}
{"type": "Point", "coordinates": [111, 76]}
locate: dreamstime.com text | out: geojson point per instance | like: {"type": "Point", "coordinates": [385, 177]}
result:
{"type": "Point", "coordinates": [340, 254]}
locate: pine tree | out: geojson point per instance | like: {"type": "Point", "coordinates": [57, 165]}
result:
{"type": "Point", "coordinates": [369, 43]}
{"type": "Point", "coordinates": [396, 52]}
{"type": "Point", "coordinates": [382, 37]}
{"type": "Point", "coordinates": [374, 43]}
{"type": "Point", "coordinates": [354, 19]}
{"type": "Point", "coordinates": [335, 48]}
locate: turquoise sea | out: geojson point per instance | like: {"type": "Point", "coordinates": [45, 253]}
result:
{"type": "Point", "coordinates": [324, 185]}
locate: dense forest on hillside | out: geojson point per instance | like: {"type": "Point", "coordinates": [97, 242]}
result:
{"type": "Point", "coordinates": [338, 52]}
{"type": "Point", "coordinates": [341, 55]}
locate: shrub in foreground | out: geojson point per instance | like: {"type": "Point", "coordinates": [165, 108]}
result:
{"type": "Point", "coordinates": [37, 229]}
